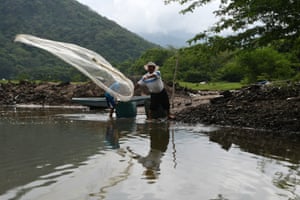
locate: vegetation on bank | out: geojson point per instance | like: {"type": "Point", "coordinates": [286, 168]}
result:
{"type": "Point", "coordinates": [211, 86]}
{"type": "Point", "coordinates": [202, 63]}
{"type": "Point", "coordinates": [259, 47]}
{"type": "Point", "coordinates": [4, 81]}
{"type": "Point", "coordinates": [262, 44]}
{"type": "Point", "coordinates": [213, 60]}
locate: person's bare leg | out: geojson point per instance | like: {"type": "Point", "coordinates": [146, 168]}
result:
{"type": "Point", "coordinates": [149, 115]}
{"type": "Point", "coordinates": [111, 112]}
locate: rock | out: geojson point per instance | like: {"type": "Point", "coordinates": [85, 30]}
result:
{"type": "Point", "coordinates": [47, 93]}
{"type": "Point", "coordinates": [270, 107]}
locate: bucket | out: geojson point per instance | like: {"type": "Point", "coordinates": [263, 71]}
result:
{"type": "Point", "coordinates": [126, 109]}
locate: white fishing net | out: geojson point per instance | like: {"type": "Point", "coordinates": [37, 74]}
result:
{"type": "Point", "coordinates": [91, 64]}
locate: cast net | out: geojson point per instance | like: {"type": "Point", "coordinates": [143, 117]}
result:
{"type": "Point", "coordinates": [91, 64]}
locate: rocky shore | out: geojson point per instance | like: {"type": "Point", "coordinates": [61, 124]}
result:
{"type": "Point", "coordinates": [268, 107]}
{"type": "Point", "coordinates": [45, 93]}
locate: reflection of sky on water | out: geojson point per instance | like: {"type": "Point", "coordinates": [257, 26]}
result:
{"type": "Point", "coordinates": [79, 154]}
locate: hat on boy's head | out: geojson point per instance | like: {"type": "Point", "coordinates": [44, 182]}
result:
{"type": "Point", "coordinates": [151, 64]}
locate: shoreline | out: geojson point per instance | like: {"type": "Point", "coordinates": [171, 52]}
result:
{"type": "Point", "coordinates": [44, 106]}
{"type": "Point", "coordinates": [259, 107]}
{"type": "Point", "coordinates": [262, 107]}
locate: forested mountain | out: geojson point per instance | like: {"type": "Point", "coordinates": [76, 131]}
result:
{"type": "Point", "coordinates": [61, 20]}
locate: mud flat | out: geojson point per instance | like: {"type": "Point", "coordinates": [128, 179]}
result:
{"type": "Point", "coordinates": [266, 107]}
{"type": "Point", "coordinates": [45, 93]}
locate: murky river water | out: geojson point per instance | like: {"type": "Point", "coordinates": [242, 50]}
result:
{"type": "Point", "coordinates": [70, 154]}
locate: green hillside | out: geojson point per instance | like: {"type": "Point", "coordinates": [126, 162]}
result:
{"type": "Point", "coordinates": [61, 20]}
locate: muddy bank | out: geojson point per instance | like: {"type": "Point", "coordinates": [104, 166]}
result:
{"type": "Point", "coordinates": [269, 107]}
{"type": "Point", "coordinates": [45, 93]}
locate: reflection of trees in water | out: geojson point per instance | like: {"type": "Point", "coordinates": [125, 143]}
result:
{"type": "Point", "coordinates": [272, 147]}
{"type": "Point", "coordinates": [35, 146]}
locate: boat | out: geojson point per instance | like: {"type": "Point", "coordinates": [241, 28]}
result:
{"type": "Point", "coordinates": [100, 102]}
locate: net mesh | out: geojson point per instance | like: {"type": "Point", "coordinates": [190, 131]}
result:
{"type": "Point", "coordinates": [91, 64]}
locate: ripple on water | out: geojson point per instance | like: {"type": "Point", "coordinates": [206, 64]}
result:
{"type": "Point", "coordinates": [72, 154]}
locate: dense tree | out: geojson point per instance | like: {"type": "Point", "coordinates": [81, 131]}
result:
{"type": "Point", "coordinates": [195, 64]}
{"type": "Point", "coordinates": [254, 22]}
{"type": "Point", "coordinates": [202, 63]}
{"type": "Point", "coordinates": [259, 64]}
{"type": "Point", "coordinates": [157, 55]}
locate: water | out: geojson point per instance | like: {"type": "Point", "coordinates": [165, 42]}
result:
{"type": "Point", "coordinates": [79, 154]}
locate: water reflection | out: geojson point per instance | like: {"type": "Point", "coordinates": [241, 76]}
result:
{"type": "Point", "coordinates": [158, 134]}
{"type": "Point", "coordinates": [112, 135]}
{"type": "Point", "coordinates": [34, 142]}
{"type": "Point", "coordinates": [220, 197]}
{"type": "Point", "coordinates": [84, 155]}
{"type": "Point", "coordinates": [280, 148]}
{"type": "Point", "coordinates": [159, 140]}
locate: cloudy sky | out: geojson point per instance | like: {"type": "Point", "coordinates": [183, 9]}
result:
{"type": "Point", "coordinates": [153, 16]}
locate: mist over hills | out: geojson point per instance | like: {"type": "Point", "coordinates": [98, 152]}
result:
{"type": "Point", "coordinates": [174, 39]}
{"type": "Point", "coordinates": [61, 20]}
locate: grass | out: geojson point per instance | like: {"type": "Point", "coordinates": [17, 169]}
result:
{"type": "Point", "coordinates": [211, 86]}
{"type": "Point", "coordinates": [6, 81]}
{"type": "Point", "coordinates": [214, 86]}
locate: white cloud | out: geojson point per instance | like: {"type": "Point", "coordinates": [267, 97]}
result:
{"type": "Point", "coordinates": [153, 16]}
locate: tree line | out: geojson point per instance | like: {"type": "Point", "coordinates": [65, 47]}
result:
{"type": "Point", "coordinates": [200, 62]}
{"type": "Point", "coordinates": [265, 44]}
{"type": "Point", "coordinates": [204, 62]}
